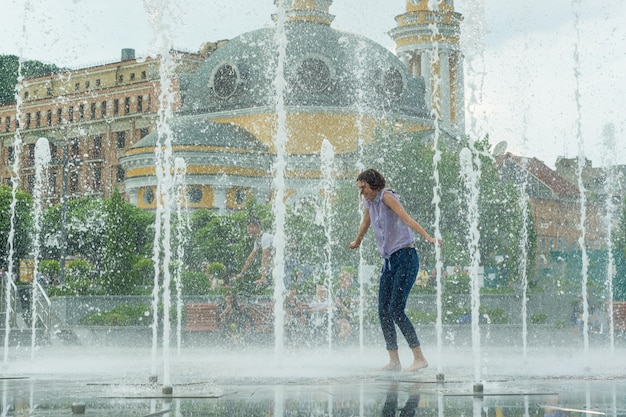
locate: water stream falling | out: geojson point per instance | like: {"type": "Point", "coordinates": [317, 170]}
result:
{"type": "Point", "coordinates": [470, 173]}
{"type": "Point", "coordinates": [582, 241]}
{"type": "Point", "coordinates": [523, 246]}
{"type": "Point", "coordinates": [278, 184]}
{"type": "Point", "coordinates": [327, 154]}
{"type": "Point", "coordinates": [42, 160]}
{"type": "Point", "coordinates": [473, 47]}
{"type": "Point", "coordinates": [159, 12]}
{"type": "Point", "coordinates": [359, 71]}
{"type": "Point", "coordinates": [435, 113]}
{"type": "Point", "coordinates": [611, 188]}
{"type": "Point", "coordinates": [183, 228]}
{"type": "Point", "coordinates": [15, 182]}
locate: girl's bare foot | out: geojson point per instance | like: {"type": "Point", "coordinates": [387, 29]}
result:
{"type": "Point", "coordinates": [392, 367]}
{"type": "Point", "coordinates": [417, 365]}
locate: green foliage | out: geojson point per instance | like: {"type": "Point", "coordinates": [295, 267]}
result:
{"type": "Point", "coordinates": [538, 318]}
{"type": "Point", "coordinates": [143, 272]}
{"type": "Point", "coordinates": [496, 315]}
{"type": "Point", "coordinates": [49, 268]}
{"type": "Point", "coordinates": [9, 72]}
{"type": "Point", "coordinates": [122, 315]}
{"type": "Point", "coordinates": [216, 269]}
{"type": "Point", "coordinates": [126, 233]}
{"type": "Point", "coordinates": [195, 283]}
{"type": "Point", "coordinates": [217, 238]}
{"type": "Point", "coordinates": [457, 284]}
{"type": "Point", "coordinates": [22, 225]}
{"type": "Point", "coordinates": [420, 317]}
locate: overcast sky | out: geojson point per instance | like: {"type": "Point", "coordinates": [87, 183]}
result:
{"type": "Point", "coordinates": [520, 56]}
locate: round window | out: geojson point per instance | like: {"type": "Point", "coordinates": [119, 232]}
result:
{"type": "Point", "coordinates": [241, 195]}
{"type": "Point", "coordinates": [225, 81]}
{"type": "Point", "coordinates": [194, 195]}
{"type": "Point", "coordinates": [148, 196]}
{"type": "Point", "coordinates": [313, 75]}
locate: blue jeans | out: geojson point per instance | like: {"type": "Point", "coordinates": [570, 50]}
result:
{"type": "Point", "coordinates": [396, 280]}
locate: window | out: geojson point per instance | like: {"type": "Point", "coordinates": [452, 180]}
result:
{"type": "Point", "coordinates": [59, 116]}
{"type": "Point", "coordinates": [127, 105]}
{"type": "Point", "coordinates": [98, 82]}
{"type": "Point", "coordinates": [52, 183]}
{"type": "Point", "coordinates": [27, 120]}
{"type": "Point", "coordinates": [10, 154]}
{"type": "Point", "coordinates": [77, 87]}
{"type": "Point", "coordinates": [143, 75]}
{"type": "Point", "coordinates": [97, 147]}
{"type": "Point", "coordinates": [38, 119]}
{"type": "Point", "coordinates": [121, 78]}
{"type": "Point", "coordinates": [132, 76]}
{"type": "Point", "coordinates": [7, 124]}
{"type": "Point", "coordinates": [139, 104]}
{"type": "Point", "coordinates": [93, 111]}
{"type": "Point", "coordinates": [97, 179]}
{"type": "Point", "coordinates": [121, 140]}
{"type": "Point", "coordinates": [50, 91]}
{"type": "Point", "coordinates": [148, 196]}
{"type": "Point", "coordinates": [241, 195]}
{"type": "Point", "coordinates": [103, 109]}
{"type": "Point", "coordinates": [70, 114]}
{"type": "Point", "coordinates": [53, 150]}
{"type": "Point", "coordinates": [120, 174]}
{"type": "Point", "coordinates": [116, 107]}
{"type": "Point", "coordinates": [194, 195]}
{"type": "Point", "coordinates": [87, 84]}
{"type": "Point", "coordinates": [31, 153]}
{"type": "Point", "coordinates": [75, 148]}
{"type": "Point", "coordinates": [31, 183]}
{"type": "Point", "coordinates": [81, 111]}
{"type": "Point", "coordinates": [49, 118]}
{"type": "Point", "coordinates": [143, 132]}
{"type": "Point", "coordinates": [73, 182]}
{"type": "Point", "coordinates": [25, 94]}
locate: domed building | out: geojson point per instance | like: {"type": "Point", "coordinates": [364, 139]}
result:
{"type": "Point", "coordinates": [322, 84]}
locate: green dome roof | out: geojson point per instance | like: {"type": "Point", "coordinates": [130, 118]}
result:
{"type": "Point", "coordinates": [196, 132]}
{"type": "Point", "coordinates": [323, 67]}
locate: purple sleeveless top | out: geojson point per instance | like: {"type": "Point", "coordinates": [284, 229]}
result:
{"type": "Point", "coordinates": [390, 231]}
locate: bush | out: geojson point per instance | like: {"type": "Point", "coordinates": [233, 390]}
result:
{"type": "Point", "coordinates": [195, 283]}
{"type": "Point", "coordinates": [49, 268]}
{"type": "Point", "coordinates": [122, 315]}
{"type": "Point", "coordinates": [539, 318]}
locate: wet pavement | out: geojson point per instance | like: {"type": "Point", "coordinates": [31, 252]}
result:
{"type": "Point", "coordinates": [59, 381]}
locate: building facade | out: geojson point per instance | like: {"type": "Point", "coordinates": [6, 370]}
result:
{"type": "Point", "coordinates": [339, 89]}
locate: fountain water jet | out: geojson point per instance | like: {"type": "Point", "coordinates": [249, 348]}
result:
{"type": "Point", "coordinates": [278, 184]}
{"type": "Point", "coordinates": [182, 226]}
{"type": "Point", "coordinates": [156, 12]}
{"type": "Point", "coordinates": [582, 241]}
{"type": "Point", "coordinates": [327, 154]}
{"type": "Point", "coordinates": [42, 160]}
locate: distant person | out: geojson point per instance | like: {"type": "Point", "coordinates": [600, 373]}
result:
{"type": "Point", "coordinates": [394, 237]}
{"type": "Point", "coordinates": [345, 304]}
{"type": "Point", "coordinates": [422, 277]}
{"type": "Point", "coordinates": [262, 243]}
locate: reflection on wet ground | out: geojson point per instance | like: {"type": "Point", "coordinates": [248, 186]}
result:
{"type": "Point", "coordinates": [119, 382]}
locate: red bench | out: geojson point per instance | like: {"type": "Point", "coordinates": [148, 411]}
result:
{"type": "Point", "coordinates": [202, 318]}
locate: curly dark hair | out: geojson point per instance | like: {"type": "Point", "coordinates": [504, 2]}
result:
{"type": "Point", "coordinates": [374, 178]}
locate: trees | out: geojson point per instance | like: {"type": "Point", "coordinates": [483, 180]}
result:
{"type": "Point", "coordinates": [22, 225]}
{"type": "Point", "coordinates": [9, 65]}
{"type": "Point", "coordinates": [125, 238]}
